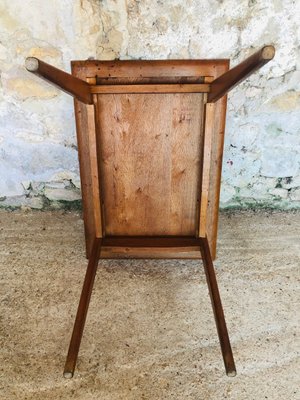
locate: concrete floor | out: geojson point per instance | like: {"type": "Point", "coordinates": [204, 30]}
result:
{"type": "Point", "coordinates": [150, 332]}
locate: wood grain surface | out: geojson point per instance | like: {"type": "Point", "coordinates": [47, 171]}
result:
{"type": "Point", "coordinates": [150, 148]}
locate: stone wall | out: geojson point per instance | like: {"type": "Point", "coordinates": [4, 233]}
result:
{"type": "Point", "coordinates": [38, 159]}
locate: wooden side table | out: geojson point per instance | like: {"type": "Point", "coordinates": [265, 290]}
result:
{"type": "Point", "coordinates": [150, 142]}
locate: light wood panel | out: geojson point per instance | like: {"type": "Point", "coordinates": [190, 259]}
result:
{"type": "Point", "coordinates": [150, 148]}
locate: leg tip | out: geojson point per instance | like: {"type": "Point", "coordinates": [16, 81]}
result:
{"type": "Point", "coordinates": [68, 374]}
{"type": "Point", "coordinates": [231, 373]}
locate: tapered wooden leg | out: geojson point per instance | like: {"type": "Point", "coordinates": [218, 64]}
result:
{"type": "Point", "coordinates": [217, 307]}
{"type": "Point", "coordinates": [82, 309]}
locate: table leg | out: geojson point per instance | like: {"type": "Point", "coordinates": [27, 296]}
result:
{"type": "Point", "coordinates": [82, 309]}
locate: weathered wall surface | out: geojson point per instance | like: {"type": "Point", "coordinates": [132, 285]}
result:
{"type": "Point", "coordinates": [38, 157]}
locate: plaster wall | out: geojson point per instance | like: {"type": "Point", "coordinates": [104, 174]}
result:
{"type": "Point", "coordinates": [38, 155]}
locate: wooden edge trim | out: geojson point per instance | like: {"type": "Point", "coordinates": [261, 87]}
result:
{"type": "Point", "coordinates": [95, 179]}
{"type": "Point", "coordinates": [205, 181]}
{"type": "Point", "coordinates": [151, 241]}
{"type": "Point", "coordinates": [148, 88]}
{"type": "Point", "coordinates": [98, 173]}
{"type": "Point", "coordinates": [147, 68]}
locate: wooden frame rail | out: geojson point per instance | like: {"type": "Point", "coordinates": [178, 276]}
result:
{"type": "Point", "coordinates": [151, 241]}
{"type": "Point", "coordinates": [150, 88]}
